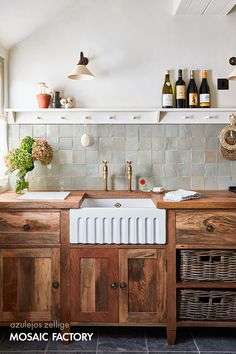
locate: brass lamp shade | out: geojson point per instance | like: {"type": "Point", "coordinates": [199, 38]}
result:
{"type": "Point", "coordinates": [81, 72]}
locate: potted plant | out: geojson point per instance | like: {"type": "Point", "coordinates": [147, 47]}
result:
{"type": "Point", "coordinates": [22, 159]}
{"type": "Point", "coordinates": [43, 97]}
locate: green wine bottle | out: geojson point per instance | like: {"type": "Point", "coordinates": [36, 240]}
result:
{"type": "Point", "coordinates": [167, 92]}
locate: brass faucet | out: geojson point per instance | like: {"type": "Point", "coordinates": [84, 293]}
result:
{"type": "Point", "coordinates": [105, 174]}
{"type": "Point", "coordinates": [129, 171]}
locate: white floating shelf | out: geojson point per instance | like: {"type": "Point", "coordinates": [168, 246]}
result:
{"type": "Point", "coordinates": [196, 115]}
{"type": "Point", "coordinates": [83, 115]}
{"type": "Point", "coordinates": [120, 116]}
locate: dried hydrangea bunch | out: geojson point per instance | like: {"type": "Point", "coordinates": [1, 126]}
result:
{"type": "Point", "coordinates": [22, 159]}
{"type": "Point", "coordinates": [42, 151]}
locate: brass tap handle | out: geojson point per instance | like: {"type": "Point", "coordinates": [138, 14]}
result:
{"type": "Point", "coordinates": [129, 170]}
{"type": "Point", "coordinates": [105, 174]}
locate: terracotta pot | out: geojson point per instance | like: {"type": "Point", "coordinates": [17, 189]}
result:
{"type": "Point", "coordinates": [43, 100]}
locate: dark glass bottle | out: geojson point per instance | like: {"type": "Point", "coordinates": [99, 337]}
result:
{"type": "Point", "coordinates": [204, 92]}
{"type": "Point", "coordinates": [192, 92]}
{"type": "Point", "coordinates": [180, 91]}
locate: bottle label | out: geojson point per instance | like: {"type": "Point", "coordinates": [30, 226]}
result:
{"type": "Point", "coordinates": [167, 100]}
{"type": "Point", "coordinates": [180, 92]}
{"type": "Point", "coordinates": [204, 99]}
{"type": "Point", "coordinates": [193, 99]}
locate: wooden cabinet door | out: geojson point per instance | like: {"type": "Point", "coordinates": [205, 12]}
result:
{"type": "Point", "coordinates": [142, 288]}
{"type": "Point", "coordinates": [29, 284]}
{"type": "Point", "coordinates": [94, 285]}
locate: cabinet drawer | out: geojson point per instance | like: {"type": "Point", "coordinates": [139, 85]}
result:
{"type": "Point", "coordinates": [29, 227]}
{"type": "Point", "coordinates": [206, 227]}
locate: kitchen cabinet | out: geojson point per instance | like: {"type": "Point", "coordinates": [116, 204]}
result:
{"type": "Point", "coordinates": [94, 283]}
{"type": "Point", "coordinates": [118, 285]}
{"type": "Point", "coordinates": [142, 290]}
{"type": "Point", "coordinates": [202, 265]}
{"type": "Point", "coordinates": [29, 265]}
{"type": "Point", "coordinates": [29, 284]}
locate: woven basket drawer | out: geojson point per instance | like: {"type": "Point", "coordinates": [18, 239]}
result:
{"type": "Point", "coordinates": [210, 305]}
{"type": "Point", "coordinates": [208, 265]}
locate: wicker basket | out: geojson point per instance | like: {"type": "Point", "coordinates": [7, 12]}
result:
{"type": "Point", "coordinates": [209, 265]}
{"type": "Point", "coordinates": [211, 305]}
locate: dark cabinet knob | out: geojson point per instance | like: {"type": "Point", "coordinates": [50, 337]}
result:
{"type": "Point", "coordinates": [55, 284]}
{"type": "Point", "coordinates": [26, 227]}
{"type": "Point", "coordinates": [210, 228]}
{"type": "Point", "coordinates": [123, 285]}
{"type": "Point", "coordinates": [114, 285]}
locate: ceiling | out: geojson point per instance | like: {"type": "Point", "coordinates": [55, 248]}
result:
{"type": "Point", "coordinates": [203, 7]}
{"type": "Point", "coordinates": [19, 18]}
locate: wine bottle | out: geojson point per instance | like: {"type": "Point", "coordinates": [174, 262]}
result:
{"type": "Point", "coordinates": [167, 92]}
{"type": "Point", "coordinates": [192, 92]}
{"type": "Point", "coordinates": [180, 91]}
{"type": "Point", "coordinates": [204, 92]}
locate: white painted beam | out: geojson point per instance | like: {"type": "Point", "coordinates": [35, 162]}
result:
{"type": "Point", "coordinates": [229, 6]}
{"type": "Point", "coordinates": [181, 6]}
{"type": "Point", "coordinates": [220, 7]}
{"type": "Point", "coordinates": [197, 7]}
{"type": "Point", "coordinates": [203, 7]}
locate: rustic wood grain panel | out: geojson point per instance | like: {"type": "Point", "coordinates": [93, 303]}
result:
{"type": "Point", "coordinates": [42, 285]}
{"type": "Point", "coordinates": [38, 221]}
{"type": "Point", "coordinates": [55, 292]}
{"type": "Point", "coordinates": [142, 285]}
{"type": "Point", "coordinates": [171, 278]}
{"type": "Point", "coordinates": [27, 316]}
{"type": "Point", "coordinates": [65, 269]}
{"type": "Point", "coordinates": [25, 284]}
{"type": "Point", "coordinates": [101, 284]}
{"type": "Point", "coordinates": [144, 299]}
{"type": "Point", "coordinates": [92, 272]}
{"type": "Point", "coordinates": [206, 227]}
{"type": "Point", "coordinates": [87, 288]}
{"type": "Point", "coordinates": [143, 318]}
{"type": "Point", "coordinates": [29, 239]}
{"type": "Point", "coordinates": [141, 253]}
{"type": "Point", "coordinates": [26, 280]}
{"type": "Point", "coordinates": [161, 288]}
{"type": "Point", "coordinates": [1, 285]}
{"type": "Point", "coordinates": [26, 252]}
{"type": "Point", "coordinates": [123, 294]}
{"type": "Point", "coordinates": [9, 284]}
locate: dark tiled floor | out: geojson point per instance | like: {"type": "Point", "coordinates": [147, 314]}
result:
{"type": "Point", "coordinates": [130, 340]}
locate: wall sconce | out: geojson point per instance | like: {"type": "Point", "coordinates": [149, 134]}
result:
{"type": "Point", "coordinates": [232, 75]}
{"type": "Point", "coordinates": [81, 72]}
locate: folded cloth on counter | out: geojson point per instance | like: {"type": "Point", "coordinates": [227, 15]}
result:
{"type": "Point", "coordinates": [180, 195]}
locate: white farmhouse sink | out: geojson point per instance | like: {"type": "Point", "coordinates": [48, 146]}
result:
{"type": "Point", "coordinates": [118, 221]}
{"type": "Point", "coordinates": [117, 203]}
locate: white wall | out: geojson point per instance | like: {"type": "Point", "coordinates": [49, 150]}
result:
{"type": "Point", "coordinates": [130, 44]}
{"type": "Point", "coordinates": [4, 54]}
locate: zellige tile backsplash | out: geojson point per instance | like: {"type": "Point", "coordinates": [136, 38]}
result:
{"type": "Point", "coordinates": [175, 156]}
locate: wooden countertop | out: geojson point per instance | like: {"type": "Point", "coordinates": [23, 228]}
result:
{"type": "Point", "coordinates": [208, 200]}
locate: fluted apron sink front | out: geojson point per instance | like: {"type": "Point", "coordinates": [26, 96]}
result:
{"type": "Point", "coordinates": [118, 221]}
